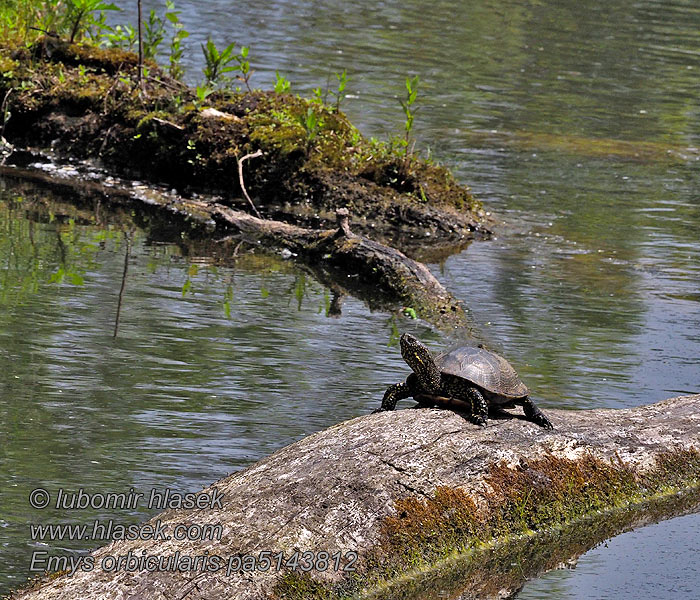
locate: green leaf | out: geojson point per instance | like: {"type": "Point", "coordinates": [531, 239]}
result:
{"type": "Point", "coordinates": [227, 52]}
{"type": "Point", "coordinates": [76, 279]}
{"type": "Point", "coordinates": [58, 276]}
{"type": "Point", "coordinates": [410, 312]}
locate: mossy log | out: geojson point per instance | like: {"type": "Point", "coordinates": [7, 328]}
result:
{"type": "Point", "coordinates": [82, 102]}
{"type": "Point", "coordinates": [423, 493]}
{"type": "Point", "coordinates": [378, 274]}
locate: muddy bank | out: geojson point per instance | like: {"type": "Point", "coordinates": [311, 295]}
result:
{"type": "Point", "coordinates": [347, 262]}
{"type": "Point", "coordinates": [83, 102]}
{"type": "Point", "coordinates": [402, 501]}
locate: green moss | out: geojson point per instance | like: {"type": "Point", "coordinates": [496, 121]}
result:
{"type": "Point", "coordinates": [301, 586]}
{"type": "Point", "coordinates": [102, 60]}
{"type": "Point", "coordinates": [537, 495]}
{"type": "Point", "coordinates": [533, 499]}
{"type": "Point", "coordinates": [278, 131]}
{"type": "Point", "coordinates": [278, 123]}
{"type": "Point", "coordinates": [8, 65]}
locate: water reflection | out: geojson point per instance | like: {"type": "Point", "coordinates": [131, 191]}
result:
{"type": "Point", "coordinates": [618, 569]}
{"type": "Point", "coordinates": [597, 294]}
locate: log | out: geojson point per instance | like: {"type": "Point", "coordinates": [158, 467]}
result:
{"type": "Point", "coordinates": [422, 493]}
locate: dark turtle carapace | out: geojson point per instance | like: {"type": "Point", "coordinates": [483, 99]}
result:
{"type": "Point", "coordinates": [467, 378]}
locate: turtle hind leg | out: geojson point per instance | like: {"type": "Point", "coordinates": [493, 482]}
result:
{"type": "Point", "coordinates": [534, 414]}
{"type": "Point", "coordinates": [393, 394]}
{"type": "Point", "coordinates": [479, 406]}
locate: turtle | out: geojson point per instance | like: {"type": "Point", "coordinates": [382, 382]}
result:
{"type": "Point", "coordinates": [468, 378]}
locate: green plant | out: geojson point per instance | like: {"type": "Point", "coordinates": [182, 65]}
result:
{"type": "Point", "coordinates": [154, 30]}
{"type": "Point", "coordinates": [312, 123]}
{"type": "Point", "coordinates": [409, 312]}
{"type": "Point", "coordinates": [179, 34]}
{"type": "Point", "coordinates": [282, 85]}
{"type": "Point", "coordinates": [342, 82]}
{"type": "Point", "coordinates": [244, 66]}
{"type": "Point", "coordinates": [121, 36]}
{"type": "Point", "coordinates": [202, 91]}
{"type": "Point", "coordinates": [97, 26]}
{"type": "Point", "coordinates": [23, 20]}
{"type": "Point", "coordinates": [79, 12]}
{"type": "Point", "coordinates": [406, 104]}
{"type": "Point", "coordinates": [318, 96]}
{"type": "Point", "coordinates": [82, 74]}
{"type": "Point", "coordinates": [218, 63]}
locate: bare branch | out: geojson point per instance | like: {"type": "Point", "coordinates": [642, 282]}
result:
{"type": "Point", "coordinates": [240, 178]}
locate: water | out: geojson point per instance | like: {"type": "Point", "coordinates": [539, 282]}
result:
{"type": "Point", "coordinates": [577, 123]}
{"type": "Point", "coordinates": [613, 569]}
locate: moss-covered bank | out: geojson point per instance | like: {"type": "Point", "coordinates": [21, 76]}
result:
{"type": "Point", "coordinates": [82, 101]}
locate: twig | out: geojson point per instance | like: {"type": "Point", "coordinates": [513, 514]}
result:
{"type": "Point", "coordinates": [140, 74]}
{"type": "Point", "coordinates": [240, 178]}
{"type": "Point", "coordinates": [168, 124]}
{"type": "Point", "coordinates": [128, 237]}
{"type": "Point", "coordinates": [105, 140]}
{"type": "Point", "coordinates": [6, 149]}
{"type": "Point", "coordinates": [179, 86]}
{"type": "Point", "coordinates": [74, 30]}
{"type": "Point", "coordinates": [3, 111]}
{"type": "Point", "coordinates": [111, 89]}
{"type": "Point", "coordinates": [52, 34]}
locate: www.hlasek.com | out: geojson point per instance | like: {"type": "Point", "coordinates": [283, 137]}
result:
{"type": "Point", "coordinates": [109, 530]}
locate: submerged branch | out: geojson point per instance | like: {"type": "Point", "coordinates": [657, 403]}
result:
{"type": "Point", "coordinates": [378, 274]}
{"type": "Point", "coordinates": [127, 254]}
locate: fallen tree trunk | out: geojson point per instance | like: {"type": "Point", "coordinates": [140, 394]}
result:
{"type": "Point", "coordinates": [419, 492]}
{"type": "Point", "coordinates": [378, 274]}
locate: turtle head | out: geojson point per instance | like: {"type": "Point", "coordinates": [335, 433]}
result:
{"type": "Point", "coordinates": [418, 357]}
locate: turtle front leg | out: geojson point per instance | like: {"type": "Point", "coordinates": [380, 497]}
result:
{"type": "Point", "coordinates": [393, 394]}
{"type": "Point", "coordinates": [479, 406]}
{"type": "Point", "coordinates": [534, 414]}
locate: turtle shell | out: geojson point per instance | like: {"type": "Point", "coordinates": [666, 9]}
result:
{"type": "Point", "coordinates": [485, 369]}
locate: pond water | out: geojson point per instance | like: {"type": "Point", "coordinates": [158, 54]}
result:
{"type": "Point", "coordinates": [618, 569]}
{"type": "Point", "coordinates": [577, 123]}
